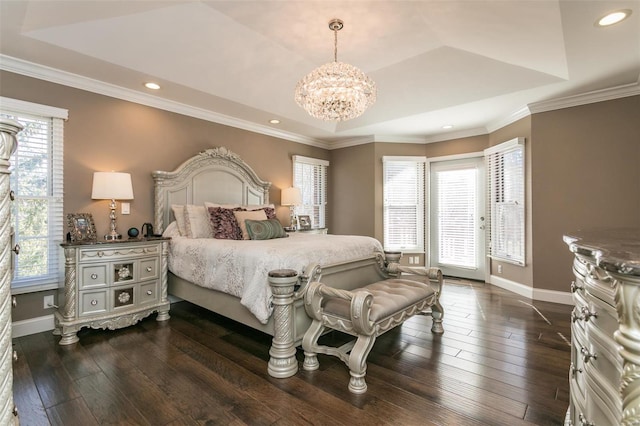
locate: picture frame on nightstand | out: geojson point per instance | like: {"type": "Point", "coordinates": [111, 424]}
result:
{"type": "Point", "coordinates": [304, 222]}
{"type": "Point", "coordinates": [81, 227]}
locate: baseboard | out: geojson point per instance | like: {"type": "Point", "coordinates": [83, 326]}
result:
{"type": "Point", "coordinates": [32, 326]}
{"type": "Point", "coordinates": [542, 295]}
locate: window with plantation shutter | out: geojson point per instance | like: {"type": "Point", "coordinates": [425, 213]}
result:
{"type": "Point", "coordinates": [403, 187]}
{"type": "Point", "coordinates": [310, 176]}
{"type": "Point", "coordinates": [505, 171]}
{"type": "Point", "coordinates": [37, 180]}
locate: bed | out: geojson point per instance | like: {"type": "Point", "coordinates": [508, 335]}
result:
{"type": "Point", "coordinates": [220, 176]}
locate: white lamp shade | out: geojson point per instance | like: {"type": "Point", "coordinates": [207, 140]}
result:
{"type": "Point", "coordinates": [291, 197]}
{"type": "Point", "coordinates": [112, 186]}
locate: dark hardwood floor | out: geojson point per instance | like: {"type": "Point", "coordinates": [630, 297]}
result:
{"type": "Point", "coordinates": [503, 360]}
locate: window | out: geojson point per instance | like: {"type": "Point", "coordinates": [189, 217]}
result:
{"type": "Point", "coordinates": [37, 180]}
{"type": "Point", "coordinates": [505, 170]}
{"type": "Point", "coordinates": [403, 187]}
{"type": "Point", "coordinates": [310, 175]}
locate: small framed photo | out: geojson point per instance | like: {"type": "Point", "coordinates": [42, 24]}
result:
{"type": "Point", "coordinates": [81, 227]}
{"type": "Point", "coordinates": [304, 222]}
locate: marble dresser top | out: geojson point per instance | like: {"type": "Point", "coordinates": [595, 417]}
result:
{"type": "Point", "coordinates": [615, 250]}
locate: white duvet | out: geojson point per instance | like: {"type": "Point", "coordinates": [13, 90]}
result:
{"type": "Point", "coordinates": [240, 268]}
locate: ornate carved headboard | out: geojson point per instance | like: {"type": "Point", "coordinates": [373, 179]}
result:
{"type": "Point", "coordinates": [217, 175]}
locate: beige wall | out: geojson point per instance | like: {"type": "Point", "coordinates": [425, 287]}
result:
{"type": "Point", "coordinates": [582, 168]}
{"type": "Point", "coordinates": [104, 134]}
{"type": "Point", "coordinates": [585, 174]}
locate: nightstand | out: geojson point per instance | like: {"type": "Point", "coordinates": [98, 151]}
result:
{"type": "Point", "coordinates": [314, 230]}
{"type": "Point", "coordinates": [112, 285]}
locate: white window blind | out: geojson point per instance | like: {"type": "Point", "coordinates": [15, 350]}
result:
{"type": "Point", "coordinates": [456, 217]}
{"type": "Point", "coordinates": [404, 190]}
{"type": "Point", "coordinates": [505, 171]}
{"type": "Point", "coordinates": [37, 180]}
{"type": "Point", "coordinates": [310, 176]}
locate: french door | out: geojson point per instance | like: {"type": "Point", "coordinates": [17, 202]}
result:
{"type": "Point", "coordinates": [456, 217]}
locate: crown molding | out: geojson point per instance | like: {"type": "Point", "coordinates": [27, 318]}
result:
{"type": "Point", "coordinates": [623, 91]}
{"type": "Point", "coordinates": [41, 72]}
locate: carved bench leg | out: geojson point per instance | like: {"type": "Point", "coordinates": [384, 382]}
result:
{"type": "Point", "coordinates": [437, 312]}
{"type": "Point", "coordinates": [310, 345]}
{"type": "Point", "coordinates": [358, 363]}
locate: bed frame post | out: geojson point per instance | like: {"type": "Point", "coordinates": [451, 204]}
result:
{"type": "Point", "coordinates": [283, 362]}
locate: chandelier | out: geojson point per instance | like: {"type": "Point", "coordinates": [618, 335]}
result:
{"type": "Point", "coordinates": [335, 91]}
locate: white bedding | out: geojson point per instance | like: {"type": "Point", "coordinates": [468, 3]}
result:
{"type": "Point", "coordinates": [241, 268]}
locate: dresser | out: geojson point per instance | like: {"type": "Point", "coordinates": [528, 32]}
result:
{"type": "Point", "coordinates": [604, 375]}
{"type": "Point", "coordinates": [111, 285]}
{"type": "Point", "coordinates": [8, 144]}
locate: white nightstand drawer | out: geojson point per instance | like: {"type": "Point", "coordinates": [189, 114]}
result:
{"type": "Point", "coordinates": [149, 268]}
{"type": "Point", "coordinates": [93, 276]}
{"type": "Point", "coordinates": [93, 302]}
{"type": "Point", "coordinates": [149, 292]}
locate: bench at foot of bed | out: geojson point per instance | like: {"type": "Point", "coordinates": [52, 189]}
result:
{"type": "Point", "coordinates": [366, 313]}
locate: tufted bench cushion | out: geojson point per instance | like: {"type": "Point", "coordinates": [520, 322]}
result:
{"type": "Point", "coordinates": [389, 297]}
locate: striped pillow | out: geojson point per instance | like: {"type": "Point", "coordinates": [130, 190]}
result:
{"type": "Point", "coordinates": [265, 229]}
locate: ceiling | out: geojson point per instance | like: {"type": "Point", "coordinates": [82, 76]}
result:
{"type": "Point", "coordinates": [473, 64]}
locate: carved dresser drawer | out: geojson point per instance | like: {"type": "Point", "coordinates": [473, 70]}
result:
{"type": "Point", "coordinates": [112, 285]}
{"type": "Point", "coordinates": [604, 377]}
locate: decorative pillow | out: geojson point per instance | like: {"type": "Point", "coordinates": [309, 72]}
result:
{"type": "Point", "coordinates": [208, 204]}
{"type": "Point", "coordinates": [224, 224]}
{"type": "Point", "coordinates": [265, 229]}
{"type": "Point", "coordinates": [196, 220]}
{"type": "Point", "coordinates": [269, 211]}
{"type": "Point", "coordinates": [241, 216]}
{"type": "Point", "coordinates": [178, 213]}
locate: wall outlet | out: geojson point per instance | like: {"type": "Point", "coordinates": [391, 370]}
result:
{"type": "Point", "coordinates": [125, 208]}
{"type": "Point", "coordinates": [499, 269]}
{"type": "Point", "coordinates": [48, 302]}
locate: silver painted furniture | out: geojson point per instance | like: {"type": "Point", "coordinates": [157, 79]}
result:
{"type": "Point", "coordinates": [8, 144]}
{"type": "Point", "coordinates": [604, 376]}
{"type": "Point", "coordinates": [366, 313]}
{"type": "Point", "coordinates": [219, 175]}
{"type": "Point", "coordinates": [111, 285]}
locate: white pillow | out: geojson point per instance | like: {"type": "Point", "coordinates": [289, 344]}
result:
{"type": "Point", "coordinates": [171, 231]}
{"type": "Point", "coordinates": [196, 220]}
{"type": "Point", "coordinates": [178, 213]}
{"type": "Point", "coordinates": [241, 216]}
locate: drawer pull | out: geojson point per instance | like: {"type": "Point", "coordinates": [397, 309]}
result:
{"type": "Point", "coordinates": [15, 411]}
{"type": "Point", "coordinates": [149, 292]}
{"type": "Point", "coordinates": [586, 355]}
{"type": "Point", "coordinates": [584, 421]}
{"type": "Point", "coordinates": [149, 269]}
{"type": "Point", "coordinates": [94, 276]}
{"type": "Point", "coordinates": [94, 302]}
{"type": "Point", "coordinates": [575, 316]}
{"type": "Point", "coordinates": [15, 356]}
{"type": "Point", "coordinates": [14, 301]}
{"type": "Point", "coordinates": [575, 287]}
{"type": "Point", "coordinates": [16, 249]}
{"type": "Point", "coordinates": [12, 195]}
{"type": "Point", "coordinates": [574, 370]}
{"type": "Point", "coordinates": [586, 313]}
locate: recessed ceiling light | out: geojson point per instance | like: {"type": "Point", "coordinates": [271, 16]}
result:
{"type": "Point", "coordinates": [613, 17]}
{"type": "Point", "coordinates": [152, 86]}
{"type": "Point", "coordinates": [274, 121]}
{"type": "Point", "coordinates": [447, 126]}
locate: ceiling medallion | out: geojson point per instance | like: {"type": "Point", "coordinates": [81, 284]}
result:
{"type": "Point", "coordinates": [335, 91]}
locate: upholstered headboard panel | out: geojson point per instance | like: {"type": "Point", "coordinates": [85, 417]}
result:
{"type": "Point", "coordinates": [216, 175]}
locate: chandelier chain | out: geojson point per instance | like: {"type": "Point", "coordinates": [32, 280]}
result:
{"type": "Point", "coordinates": [335, 44]}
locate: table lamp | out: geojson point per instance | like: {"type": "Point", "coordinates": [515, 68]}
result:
{"type": "Point", "coordinates": [112, 186]}
{"type": "Point", "coordinates": [291, 197]}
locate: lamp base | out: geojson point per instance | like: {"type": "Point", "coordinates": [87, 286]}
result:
{"type": "Point", "coordinates": [113, 237]}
